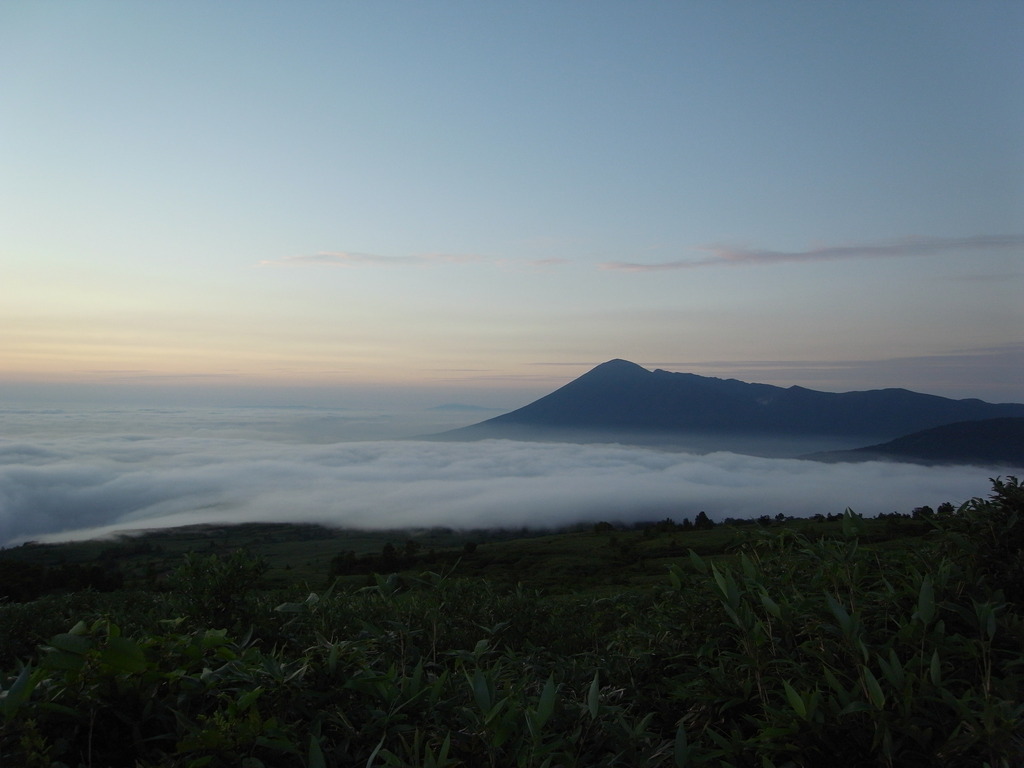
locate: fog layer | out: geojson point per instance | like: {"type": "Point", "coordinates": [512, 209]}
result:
{"type": "Point", "coordinates": [55, 488]}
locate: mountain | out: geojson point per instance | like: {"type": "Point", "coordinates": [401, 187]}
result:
{"type": "Point", "coordinates": [990, 442]}
{"type": "Point", "coordinates": [623, 401]}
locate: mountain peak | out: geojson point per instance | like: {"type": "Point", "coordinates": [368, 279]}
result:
{"type": "Point", "coordinates": [622, 400]}
{"type": "Point", "coordinates": [617, 367]}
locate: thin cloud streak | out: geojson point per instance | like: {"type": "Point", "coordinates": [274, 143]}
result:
{"type": "Point", "coordinates": [82, 487]}
{"type": "Point", "coordinates": [357, 260]}
{"type": "Point", "coordinates": [1007, 354]}
{"type": "Point", "coordinates": [911, 246]}
{"type": "Point", "coordinates": [953, 374]}
{"type": "Point", "coordinates": [354, 259]}
{"type": "Point", "coordinates": [340, 259]}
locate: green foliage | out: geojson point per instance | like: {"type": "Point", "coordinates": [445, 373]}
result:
{"type": "Point", "coordinates": [828, 654]}
{"type": "Point", "coordinates": [987, 538]}
{"type": "Point", "coordinates": [22, 582]}
{"type": "Point", "coordinates": [218, 591]}
{"type": "Point", "coordinates": [794, 649]}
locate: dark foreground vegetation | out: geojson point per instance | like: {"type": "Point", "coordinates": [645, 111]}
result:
{"type": "Point", "coordinates": [843, 642]}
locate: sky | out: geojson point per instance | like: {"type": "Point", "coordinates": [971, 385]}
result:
{"type": "Point", "coordinates": [477, 202]}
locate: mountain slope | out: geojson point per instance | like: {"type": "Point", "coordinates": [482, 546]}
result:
{"type": "Point", "coordinates": [620, 399]}
{"type": "Point", "coordinates": [989, 442]}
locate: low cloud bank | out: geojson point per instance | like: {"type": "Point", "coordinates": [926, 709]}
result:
{"type": "Point", "coordinates": [86, 486]}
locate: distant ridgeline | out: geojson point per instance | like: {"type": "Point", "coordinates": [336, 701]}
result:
{"type": "Point", "coordinates": [620, 400]}
{"type": "Point", "coordinates": [989, 441]}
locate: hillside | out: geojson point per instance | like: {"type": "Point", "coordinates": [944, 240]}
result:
{"type": "Point", "coordinates": [989, 441]}
{"type": "Point", "coordinates": [623, 401]}
{"type": "Point", "coordinates": [796, 642]}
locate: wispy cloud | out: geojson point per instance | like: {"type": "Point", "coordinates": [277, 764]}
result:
{"type": "Point", "coordinates": [955, 373]}
{"type": "Point", "coordinates": [718, 256]}
{"type": "Point", "coordinates": [544, 263]}
{"type": "Point", "coordinates": [354, 259]}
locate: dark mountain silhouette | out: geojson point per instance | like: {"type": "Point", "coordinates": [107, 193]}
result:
{"type": "Point", "coordinates": [989, 442]}
{"type": "Point", "coordinates": [622, 401]}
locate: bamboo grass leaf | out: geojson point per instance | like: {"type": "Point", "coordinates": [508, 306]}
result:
{"type": "Point", "coordinates": [123, 655]}
{"type": "Point", "coordinates": [673, 576]}
{"type": "Point", "coordinates": [748, 566]}
{"type": "Point", "coordinates": [681, 750]}
{"type": "Point", "coordinates": [12, 699]}
{"type": "Point", "coordinates": [315, 757]}
{"type": "Point", "coordinates": [72, 642]}
{"type": "Point", "coordinates": [844, 619]}
{"type": "Point", "coordinates": [446, 745]}
{"type": "Point", "coordinates": [727, 585]}
{"type": "Point", "coordinates": [481, 691]}
{"type": "Point", "coordinates": [546, 705]}
{"type": "Point", "coordinates": [795, 700]}
{"type": "Point", "coordinates": [373, 755]}
{"type": "Point", "coordinates": [770, 605]}
{"type": "Point", "coordinates": [698, 563]}
{"type": "Point", "coordinates": [874, 690]}
{"type": "Point", "coordinates": [594, 697]}
{"type": "Point", "coordinates": [926, 601]}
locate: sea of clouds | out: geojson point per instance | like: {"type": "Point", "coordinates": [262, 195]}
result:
{"type": "Point", "coordinates": [65, 476]}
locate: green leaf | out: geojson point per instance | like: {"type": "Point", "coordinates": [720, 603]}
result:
{"type": "Point", "coordinates": [681, 751]}
{"type": "Point", "coordinates": [446, 746]}
{"type": "Point", "coordinates": [316, 754]}
{"type": "Point", "coordinates": [12, 699]}
{"type": "Point", "coordinates": [935, 669]}
{"type": "Point", "coordinates": [490, 717]}
{"type": "Point", "coordinates": [546, 705]}
{"type": "Point", "coordinates": [874, 690]}
{"type": "Point", "coordinates": [726, 585]}
{"type": "Point", "coordinates": [673, 576]}
{"type": "Point", "coordinates": [79, 629]}
{"type": "Point", "coordinates": [332, 659]}
{"type": "Point", "coordinates": [72, 643]}
{"type": "Point", "coordinates": [795, 700]}
{"type": "Point", "coordinates": [892, 669]}
{"type": "Point", "coordinates": [926, 601]}
{"type": "Point", "coordinates": [123, 655]}
{"type": "Point", "coordinates": [845, 622]}
{"type": "Point", "coordinates": [748, 566]}
{"type": "Point", "coordinates": [990, 623]}
{"type": "Point", "coordinates": [851, 524]}
{"type": "Point", "coordinates": [63, 661]}
{"type": "Point", "coordinates": [373, 755]}
{"type": "Point", "coordinates": [247, 699]}
{"type": "Point", "coordinates": [698, 563]}
{"type": "Point", "coordinates": [834, 683]}
{"type": "Point", "coordinates": [770, 605]}
{"type": "Point", "coordinates": [481, 691]}
{"type": "Point", "coordinates": [214, 638]}
{"type": "Point", "coordinates": [594, 697]}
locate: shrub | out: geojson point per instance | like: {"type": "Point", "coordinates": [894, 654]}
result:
{"type": "Point", "coordinates": [216, 591]}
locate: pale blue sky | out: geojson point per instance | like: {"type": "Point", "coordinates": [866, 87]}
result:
{"type": "Point", "coordinates": [495, 197]}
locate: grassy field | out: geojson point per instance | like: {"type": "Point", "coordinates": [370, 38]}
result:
{"type": "Point", "coordinates": [577, 559]}
{"type": "Point", "coordinates": [846, 642]}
